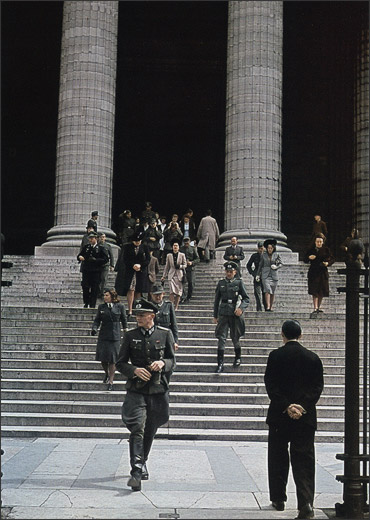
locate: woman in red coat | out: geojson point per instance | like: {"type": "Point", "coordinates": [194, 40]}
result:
{"type": "Point", "coordinates": [320, 257]}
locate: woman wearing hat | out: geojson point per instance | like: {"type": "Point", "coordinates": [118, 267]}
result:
{"type": "Point", "coordinates": [267, 271]}
{"type": "Point", "coordinates": [175, 271]}
{"type": "Point", "coordinates": [132, 270]}
{"type": "Point", "coordinates": [320, 257]}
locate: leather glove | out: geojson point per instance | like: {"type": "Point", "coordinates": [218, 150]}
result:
{"type": "Point", "coordinates": [94, 332]}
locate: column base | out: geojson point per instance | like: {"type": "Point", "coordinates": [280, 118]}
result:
{"type": "Point", "coordinates": [66, 241]}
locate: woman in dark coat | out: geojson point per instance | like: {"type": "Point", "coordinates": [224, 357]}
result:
{"type": "Point", "coordinates": [320, 257]}
{"type": "Point", "coordinates": [132, 270]}
{"type": "Point", "coordinates": [109, 316]}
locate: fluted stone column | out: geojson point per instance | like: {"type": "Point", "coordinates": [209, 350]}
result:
{"type": "Point", "coordinates": [84, 167]}
{"type": "Point", "coordinates": [253, 123]}
{"type": "Point", "coordinates": [361, 152]}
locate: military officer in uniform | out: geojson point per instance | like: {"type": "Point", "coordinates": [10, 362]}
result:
{"type": "Point", "coordinates": [147, 359]}
{"type": "Point", "coordinates": [231, 299]}
{"type": "Point", "coordinates": [92, 222]}
{"type": "Point", "coordinates": [192, 258]}
{"type": "Point", "coordinates": [93, 257]}
{"type": "Point", "coordinates": [166, 316]}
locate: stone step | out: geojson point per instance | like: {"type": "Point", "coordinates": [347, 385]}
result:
{"type": "Point", "coordinates": [200, 342]}
{"type": "Point", "coordinates": [114, 408]}
{"type": "Point", "coordinates": [82, 327]}
{"type": "Point", "coordinates": [176, 386]}
{"type": "Point", "coordinates": [175, 421]}
{"type": "Point", "coordinates": [183, 359]}
{"type": "Point", "coordinates": [190, 350]}
{"type": "Point", "coordinates": [183, 369]}
{"type": "Point", "coordinates": [186, 398]}
{"type": "Point", "coordinates": [208, 331]}
{"type": "Point", "coordinates": [230, 375]}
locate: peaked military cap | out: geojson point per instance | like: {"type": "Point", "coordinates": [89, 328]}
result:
{"type": "Point", "coordinates": [94, 214]}
{"type": "Point", "coordinates": [230, 265]}
{"type": "Point", "coordinates": [259, 244]}
{"type": "Point", "coordinates": [186, 239]}
{"type": "Point", "coordinates": [143, 305]}
{"type": "Point", "coordinates": [92, 234]}
{"type": "Point", "coordinates": [157, 288]}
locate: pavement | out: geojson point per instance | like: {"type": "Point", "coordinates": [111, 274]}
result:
{"type": "Point", "coordinates": [53, 478]}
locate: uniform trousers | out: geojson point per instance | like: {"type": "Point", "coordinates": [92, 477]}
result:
{"type": "Point", "coordinates": [103, 280]}
{"type": "Point", "coordinates": [236, 326]}
{"type": "Point", "coordinates": [189, 280]}
{"type": "Point", "coordinates": [302, 457]}
{"type": "Point", "coordinates": [90, 287]}
{"type": "Point", "coordinates": [258, 294]}
{"type": "Point", "coordinates": [143, 414]}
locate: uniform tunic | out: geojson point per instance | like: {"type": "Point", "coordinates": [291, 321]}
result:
{"type": "Point", "coordinates": [109, 338]}
{"type": "Point", "coordinates": [166, 317]}
{"type": "Point", "coordinates": [229, 295]}
{"type": "Point", "coordinates": [137, 350]}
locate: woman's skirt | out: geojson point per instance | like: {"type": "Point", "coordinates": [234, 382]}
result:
{"type": "Point", "coordinates": [176, 285]}
{"type": "Point", "coordinates": [107, 351]}
{"type": "Point", "coordinates": [269, 285]}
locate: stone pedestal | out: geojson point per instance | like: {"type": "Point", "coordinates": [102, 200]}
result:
{"type": "Point", "coordinates": [253, 123]}
{"type": "Point", "coordinates": [84, 168]}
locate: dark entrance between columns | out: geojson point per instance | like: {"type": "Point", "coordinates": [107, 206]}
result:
{"type": "Point", "coordinates": [170, 111]}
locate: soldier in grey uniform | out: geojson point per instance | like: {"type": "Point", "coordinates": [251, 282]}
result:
{"type": "Point", "coordinates": [192, 258]}
{"type": "Point", "coordinates": [166, 316]}
{"type": "Point", "coordinates": [147, 359]}
{"type": "Point", "coordinates": [231, 299]}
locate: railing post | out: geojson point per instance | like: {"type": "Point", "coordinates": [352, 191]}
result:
{"type": "Point", "coordinates": [353, 496]}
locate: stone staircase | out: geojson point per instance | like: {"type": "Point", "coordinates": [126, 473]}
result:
{"type": "Point", "coordinates": [52, 386]}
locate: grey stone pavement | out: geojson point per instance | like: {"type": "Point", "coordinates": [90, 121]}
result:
{"type": "Point", "coordinates": [52, 478]}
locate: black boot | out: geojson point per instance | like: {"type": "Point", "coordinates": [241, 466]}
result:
{"type": "Point", "coordinates": [148, 441]}
{"type": "Point", "coordinates": [237, 360]}
{"type": "Point", "coordinates": [220, 362]}
{"type": "Point", "coordinates": [136, 461]}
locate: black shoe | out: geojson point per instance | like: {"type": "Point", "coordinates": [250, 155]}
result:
{"type": "Point", "coordinates": [134, 481]}
{"type": "Point", "coordinates": [313, 315]}
{"type": "Point", "coordinates": [306, 512]}
{"type": "Point", "coordinates": [237, 362]}
{"type": "Point", "coordinates": [144, 472]}
{"type": "Point", "coordinates": [86, 305]}
{"type": "Point", "coordinates": [106, 378]}
{"type": "Point", "coordinates": [220, 368]}
{"type": "Point", "coordinates": [279, 506]}
{"type": "Point", "coordinates": [110, 386]}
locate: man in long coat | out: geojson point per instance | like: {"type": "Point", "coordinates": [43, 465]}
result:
{"type": "Point", "coordinates": [208, 233]}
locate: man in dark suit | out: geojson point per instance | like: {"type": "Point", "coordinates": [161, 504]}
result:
{"type": "Point", "coordinates": [294, 382]}
{"type": "Point", "coordinates": [235, 254]}
{"type": "Point", "coordinates": [252, 268]}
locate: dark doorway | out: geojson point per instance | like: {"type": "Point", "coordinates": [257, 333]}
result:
{"type": "Point", "coordinates": [170, 112]}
